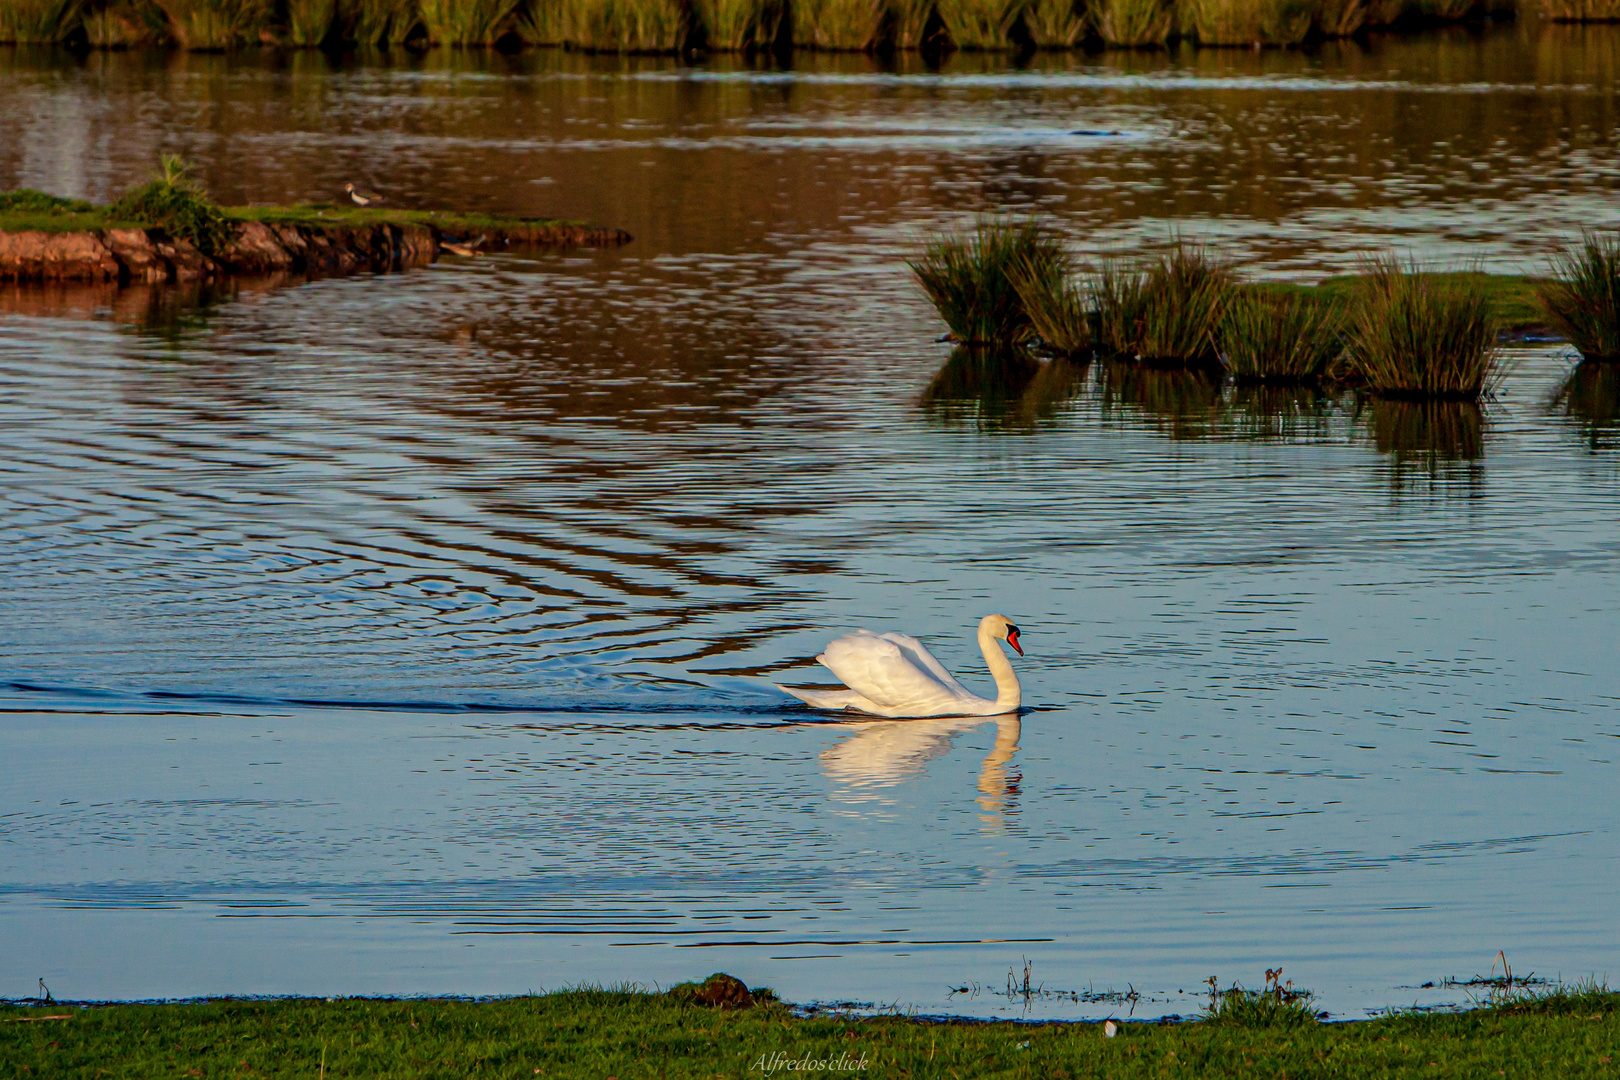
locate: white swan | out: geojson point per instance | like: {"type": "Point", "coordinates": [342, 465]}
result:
{"type": "Point", "coordinates": [893, 675]}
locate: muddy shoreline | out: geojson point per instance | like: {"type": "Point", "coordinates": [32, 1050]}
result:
{"type": "Point", "coordinates": [127, 256]}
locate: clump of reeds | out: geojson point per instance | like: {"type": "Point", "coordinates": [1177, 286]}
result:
{"type": "Point", "coordinates": [1269, 338]}
{"type": "Point", "coordinates": [1059, 309]}
{"type": "Point", "coordinates": [970, 277]}
{"type": "Point", "coordinates": [980, 24]}
{"type": "Point", "coordinates": [212, 25]}
{"type": "Point", "coordinates": [1168, 313]}
{"type": "Point", "coordinates": [740, 25]}
{"type": "Point", "coordinates": [1248, 22]}
{"type": "Point", "coordinates": [466, 22]}
{"type": "Point", "coordinates": [1410, 337]}
{"type": "Point", "coordinates": [1583, 300]}
{"type": "Point", "coordinates": [122, 25]}
{"type": "Point", "coordinates": [377, 23]}
{"type": "Point", "coordinates": [1446, 10]}
{"type": "Point", "coordinates": [38, 22]}
{"type": "Point", "coordinates": [1388, 12]}
{"type": "Point", "coordinates": [172, 201]}
{"type": "Point", "coordinates": [1339, 18]}
{"type": "Point", "coordinates": [1133, 24]}
{"type": "Point", "coordinates": [1277, 1005]}
{"type": "Point", "coordinates": [310, 22]}
{"type": "Point", "coordinates": [612, 26]}
{"type": "Point", "coordinates": [1580, 11]}
{"type": "Point", "coordinates": [837, 25]}
{"type": "Point", "coordinates": [1055, 24]}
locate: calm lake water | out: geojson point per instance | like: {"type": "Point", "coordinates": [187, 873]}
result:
{"type": "Point", "coordinates": [413, 634]}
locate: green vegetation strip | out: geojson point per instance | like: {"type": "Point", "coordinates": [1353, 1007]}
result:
{"type": "Point", "coordinates": [26, 210]}
{"type": "Point", "coordinates": [601, 1033]}
{"type": "Point", "coordinates": [1512, 298]}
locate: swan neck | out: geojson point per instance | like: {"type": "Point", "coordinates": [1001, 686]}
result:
{"type": "Point", "coordinates": [1008, 693]}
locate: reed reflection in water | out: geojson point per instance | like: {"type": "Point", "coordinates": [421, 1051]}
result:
{"type": "Point", "coordinates": [1003, 388]}
{"type": "Point", "coordinates": [1590, 396]}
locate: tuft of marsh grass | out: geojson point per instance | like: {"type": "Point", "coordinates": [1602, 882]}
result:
{"type": "Point", "coordinates": [38, 22]}
{"type": "Point", "coordinates": [739, 25]}
{"type": "Point", "coordinates": [1445, 10]}
{"type": "Point", "coordinates": [608, 26]}
{"type": "Point", "coordinates": [1055, 24]}
{"type": "Point", "coordinates": [122, 25]}
{"type": "Point", "coordinates": [173, 202]}
{"type": "Point", "coordinates": [310, 22]}
{"type": "Point", "coordinates": [1277, 1005]}
{"type": "Point", "coordinates": [1059, 310]}
{"type": "Point", "coordinates": [1389, 12]}
{"type": "Point", "coordinates": [1248, 22]}
{"type": "Point", "coordinates": [214, 25]}
{"type": "Point", "coordinates": [1589, 999]}
{"type": "Point", "coordinates": [379, 23]}
{"type": "Point", "coordinates": [837, 25]}
{"type": "Point", "coordinates": [1338, 18]}
{"type": "Point", "coordinates": [1133, 24]}
{"type": "Point", "coordinates": [1167, 314]}
{"type": "Point", "coordinates": [984, 25]}
{"type": "Point", "coordinates": [1583, 299]}
{"type": "Point", "coordinates": [1581, 11]}
{"type": "Point", "coordinates": [1269, 338]}
{"type": "Point", "coordinates": [1409, 337]}
{"type": "Point", "coordinates": [969, 277]}
{"type": "Point", "coordinates": [466, 22]}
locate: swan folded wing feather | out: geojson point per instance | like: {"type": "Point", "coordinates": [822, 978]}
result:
{"type": "Point", "coordinates": [920, 656]}
{"type": "Point", "coordinates": [880, 670]}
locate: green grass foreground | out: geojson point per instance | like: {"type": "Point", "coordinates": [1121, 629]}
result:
{"type": "Point", "coordinates": [630, 1035]}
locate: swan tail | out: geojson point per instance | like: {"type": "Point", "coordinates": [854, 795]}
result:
{"type": "Point", "coordinates": [825, 699]}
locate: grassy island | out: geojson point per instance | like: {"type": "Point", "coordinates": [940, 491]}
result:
{"type": "Point", "coordinates": [689, 1033]}
{"type": "Point", "coordinates": [1394, 330]}
{"type": "Point", "coordinates": [168, 229]}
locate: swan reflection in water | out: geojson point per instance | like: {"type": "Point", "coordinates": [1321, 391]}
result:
{"type": "Point", "coordinates": [883, 753]}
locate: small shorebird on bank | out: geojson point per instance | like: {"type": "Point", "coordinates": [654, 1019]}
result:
{"type": "Point", "coordinates": [468, 250]}
{"type": "Point", "coordinates": [361, 198]}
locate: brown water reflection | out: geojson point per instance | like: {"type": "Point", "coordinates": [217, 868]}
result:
{"type": "Point", "coordinates": [1440, 438]}
{"type": "Point", "coordinates": [1590, 396]}
{"type": "Point", "coordinates": [1004, 389]}
{"type": "Point", "coordinates": [1462, 143]}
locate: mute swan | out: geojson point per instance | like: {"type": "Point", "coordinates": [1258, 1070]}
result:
{"type": "Point", "coordinates": [893, 675]}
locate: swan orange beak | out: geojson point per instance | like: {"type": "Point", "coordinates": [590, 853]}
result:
{"type": "Point", "coordinates": [1012, 639]}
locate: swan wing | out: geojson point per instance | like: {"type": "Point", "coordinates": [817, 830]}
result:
{"type": "Point", "coordinates": [892, 677]}
{"type": "Point", "coordinates": [918, 654]}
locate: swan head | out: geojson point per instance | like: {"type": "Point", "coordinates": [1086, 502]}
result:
{"type": "Point", "coordinates": [1001, 628]}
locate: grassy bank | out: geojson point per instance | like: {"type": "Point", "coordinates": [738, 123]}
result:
{"type": "Point", "coordinates": [22, 211]}
{"type": "Point", "coordinates": [598, 1033]}
{"type": "Point", "coordinates": [735, 25]}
